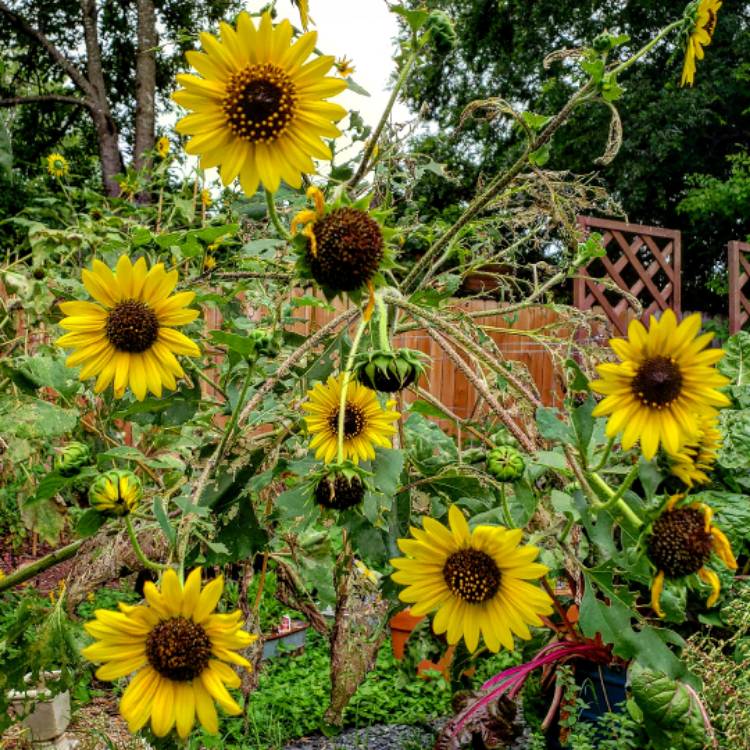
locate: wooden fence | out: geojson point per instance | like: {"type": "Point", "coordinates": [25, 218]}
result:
{"type": "Point", "coordinates": [738, 262]}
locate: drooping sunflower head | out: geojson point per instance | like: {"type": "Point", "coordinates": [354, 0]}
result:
{"type": "Point", "coordinates": [478, 581]}
{"type": "Point", "coordinates": [340, 486]}
{"type": "Point", "coordinates": [680, 544]}
{"type": "Point", "coordinates": [71, 458]}
{"type": "Point", "coordinates": [390, 371]}
{"type": "Point", "coordinates": [696, 459]}
{"type": "Point", "coordinates": [701, 17]}
{"type": "Point", "coordinates": [126, 336]}
{"type": "Point", "coordinates": [342, 246]}
{"type": "Point", "coordinates": [178, 648]}
{"type": "Point", "coordinates": [162, 147]}
{"type": "Point", "coordinates": [366, 423]}
{"type": "Point", "coordinates": [666, 379]}
{"type": "Point", "coordinates": [57, 165]}
{"type": "Point", "coordinates": [116, 492]}
{"type": "Point", "coordinates": [258, 109]}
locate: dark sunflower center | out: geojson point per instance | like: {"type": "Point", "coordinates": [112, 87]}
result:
{"type": "Point", "coordinates": [259, 103]}
{"type": "Point", "coordinates": [339, 493]}
{"type": "Point", "coordinates": [132, 326]}
{"type": "Point", "coordinates": [178, 649]}
{"type": "Point", "coordinates": [472, 575]}
{"type": "Point", "coordinates": [679, 543]}
{"type": "Point", "coordinates": [354, 421]}
{"type": "Point", "coordinates": [711, 25]}
{"type": "Point", "coordinates": [349, 249]}
{"type": "Point", "coordinates": [658, 382]}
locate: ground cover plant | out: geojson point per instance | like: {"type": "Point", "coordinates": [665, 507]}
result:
{"type": "Point", "coordinates": [210, 425]}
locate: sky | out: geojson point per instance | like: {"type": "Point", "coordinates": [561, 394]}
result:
{"type": "Point", "coordinates": [361, 30]}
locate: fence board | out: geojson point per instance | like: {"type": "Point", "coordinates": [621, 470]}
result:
{"type": "Point", "coordinates": [739, 273]}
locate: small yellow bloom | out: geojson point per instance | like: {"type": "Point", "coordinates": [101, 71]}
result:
{"type": "Point", "coordinates": [57, 165]}
{"type": "Point", "coordinates": [206, 200]}
{"type": "Point", "coordinates": [478, 581]}
{"type": "Point", "coordinates": [366, 423]}
{"type": "Point", "coordinates": [209, 263]}
{"type": "Point", "coordinates": [344, 67]}
{"type": "Point", "coordinates": [180, 651]}
{"type": "Point", "coordinates": [706, 15]}
{"type": "Point", "coordinates": [162, 147]}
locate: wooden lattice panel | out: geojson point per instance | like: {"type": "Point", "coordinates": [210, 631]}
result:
{"type": "Point", "coordinates": [739, 275]}
{"type": "Point", "coordinates": [642, 261]}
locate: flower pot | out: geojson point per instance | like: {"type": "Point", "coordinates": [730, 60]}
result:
{"type": "Point", "coordinates": [46, 716]}
{"type": "Point", "coordinates": [602, 687]}
{"type": "Point", "coordinates": [293, 640]}
{"type": "Point", "coordinates": [443, 665]}
{"type": "Point", "coordinates": [483, 281]}
{"type": "Point", "coordinates": [402, 623]}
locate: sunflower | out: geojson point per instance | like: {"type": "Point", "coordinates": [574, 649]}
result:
{"type": "Point", "coordinates": [345, 245]}
{"type": "Point", "coordinates": [696, 459]}
{"type": "Point", "coordinates": [125, 336]}
{"type": "Point", "coordinates": [366, 423]}
{"type": "Point", "coordinates": [258, 110]}
{"type": "Point", "coordinates": [664, 382]}
{"type": "Point", "coordinates": [177, 647]}
{"type": "Point", "coordinates": [704, 25]}
{"type": "Point", "coordinates": [162, 147]}
{"type": "Point", "coordinates": [57, 165]}
{"type": "Point", "coordinates": [476, 580]}
{"type": "Point", "coordinates": [680, 544]}
{"type": "Point", "coordinates": [116, 493]}
{"type": "Point", "coordinates": [206, 199]}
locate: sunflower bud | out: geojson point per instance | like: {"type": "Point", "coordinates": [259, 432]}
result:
{"type": "Point", "coordinates": [505, 463]}
{"type": "Point", "coordinates": [71, 458]}
{"type": "Point", "coordinates": [116, 492]}
{"type": "Point", "coordinates": [441, 29]}
{"type": "Point", "coordinates": [389, 371]}
{"type": "Point", "coordinates": [266, 344]}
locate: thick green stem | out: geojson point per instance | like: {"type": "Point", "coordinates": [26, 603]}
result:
{"type": "Point", "coordinates": [383, 339]}
{"type": "Point", "coordinates": [274, 217]}
{"type": "Point", "coordinates": [150, 564]}
{"type": "Point", "coordinates": [506, 510]}
{"type": "Point", "coordinates": [373, 140]}
{"type": "Point", "coordinates": [647, 47]}
{"type": "Point", "coordinates": [345, 386]}
{"type": "Point", "coordinates": [614, 500]}
{"type": "Point", "coordinates": [235, 414]}
{"type": "Point", "coordinates": [33, 569]}
{"type": "Point", "coordinates": [603, 460]}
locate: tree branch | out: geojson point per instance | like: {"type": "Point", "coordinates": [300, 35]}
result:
{"type": "Point", "coordinates": [60, 98]}
{"type": "Point", "coordinates": [24, 26]}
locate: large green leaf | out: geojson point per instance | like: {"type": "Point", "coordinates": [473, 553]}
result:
{"type": "Point", "coordinates": [35, 419]}
{"type": "Point", "coordinates": [735, 429]}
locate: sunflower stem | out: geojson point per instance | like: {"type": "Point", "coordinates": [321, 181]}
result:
{"type": "Point", "coordinates": [615, 499]}
{"type": "Point", "coordinates": [273, 215]}
{"type": "Point", "coordinates": [603, 460]}
{"type": "Point", "coordinates": [345, 387]}
{"type": "Point", "coordinates": [506, 510]}
{"type": "Point", "coordinates": [384, 342]}
{"type": "Point", "coordinates": [235, 413]}
{"type": "Point", "coordinates": [647, 47]}
{"type": "Point", "coordinates": [150, 564]}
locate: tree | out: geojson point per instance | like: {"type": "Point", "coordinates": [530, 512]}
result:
{"type": "Point", "coordinates": [669, 133]}
{"type": "Point", "coordinates": [115, 78]}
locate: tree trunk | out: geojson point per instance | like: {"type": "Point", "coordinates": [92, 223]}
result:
{"type": "Point", "coordinates": [106, 128]}
{"type": "Point", "coordinates": [145, 83]}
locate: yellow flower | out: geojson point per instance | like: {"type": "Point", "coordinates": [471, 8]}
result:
{"type": "Point", "coordinates": [696, 459]}
{"type": "Point", "coordinates": [680, 544]}
{"type": "Point", "coordinates": [366, 423]}
{"type": "Point", "coordinates": [209, 263]}
{"type": "Point", "coordinates": [126, 336]}
{"type": "Point", "coordinates": [303, 7]}
{"type": "Point", "coordinates": [663, 383]}
{"type": "Point", "coordinates": [57, 165]}
{"type": "Point", "coordinates": [700, 37]}
{"type": "Point", "coordinates": [206, 198]}
{"type": "Point", "coordinates": [259, 109]}
{"type": "Point", "coordinates": [344, 66]}
{"type": "Point", "coordinates": [476, 580]}
{"type": "Point", "coordinates": [162, 147]}
{"type": "Point", "coordinates": [177, 647]}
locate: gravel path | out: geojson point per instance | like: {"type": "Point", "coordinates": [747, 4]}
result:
{"type": "Point", "coordinates": [378, 737]}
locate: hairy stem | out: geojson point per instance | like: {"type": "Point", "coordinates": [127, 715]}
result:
{"type": "Point", "coordinates": [142, 559]}
{"type": "Point", "coordinates": [274, 217]}
{"type": "Point", "coordinates": [345, 386]}
{"type": "Point", "coordinates": [39, 566]}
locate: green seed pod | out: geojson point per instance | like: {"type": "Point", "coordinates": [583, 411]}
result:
{"type": "Point", "coordinates": [389, 371]}
{"type": "Point", "coordinates": [116, 492]}
{"type": "Point", "coordinates": [505, 463]}
{"type": "Point", "coordinates": [441, 29]}
{"type": "Point", "coordinates": [71, 458]}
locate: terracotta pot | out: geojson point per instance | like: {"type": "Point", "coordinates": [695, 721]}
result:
{"type": "Point", "coordinates": [402, 623]}
{"type": "Point", "coordinates": [443, 665]}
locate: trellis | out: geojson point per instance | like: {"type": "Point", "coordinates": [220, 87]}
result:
{"type": "Point", "coordinates": [642, 261]}
{"type": "Point", "coordinates": [739, 274]}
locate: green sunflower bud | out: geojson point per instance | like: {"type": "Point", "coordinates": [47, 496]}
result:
{"type": "Point", "coordinates": [503, 437]}
{"type": "Point", "coordinates": [441, 29]}
{"type": "Point", "coordinates": [505, 463]}
{"type": "Point", "coordinates": [266, 344]}
{"type": "Point", "coordinates": [389, 371]}
{"type": "Point", "coordinates": [71, 458]}
{"type": "Point", "coordinates": [116, 492]}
